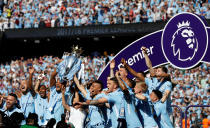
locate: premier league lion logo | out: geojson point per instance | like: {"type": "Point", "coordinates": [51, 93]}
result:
{"type": "Point", "coordinates": [184, 42]}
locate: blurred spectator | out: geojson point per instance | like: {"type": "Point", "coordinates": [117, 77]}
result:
{"type": "Point", "coordinates": [51, 123]}
{"type": "Point", "coordinates": [31, 121]}
{"type": "Point", "coordinates": [205, 122]}
{"type": "Point", "coordinates": [42, 24]}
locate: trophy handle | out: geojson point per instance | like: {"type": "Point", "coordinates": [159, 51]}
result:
{"type": "Point", "coordinates": [69, 68]}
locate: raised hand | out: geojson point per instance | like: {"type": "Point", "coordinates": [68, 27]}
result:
{"type": "Point", "coordinates": [31, 70]}
{"type": "Point", "coordinates": [59, 61]}
{"type": "Point", "coordinates": [112, 64]}
{"type": "Point", "coordinates": [41, 76]}
{"type": "Point", "coordinates": [117, 73]}
{"type": "Point", "coordinates": [144, 49]}
{"type": "Point", "coordinates": [123, 61]}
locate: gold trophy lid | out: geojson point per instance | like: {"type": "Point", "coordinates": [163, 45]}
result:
{"type": "Point", "coordinates": [76, 50]}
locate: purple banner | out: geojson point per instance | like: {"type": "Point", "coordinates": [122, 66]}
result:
{"type": "Point", "coordinates": [183, 43]}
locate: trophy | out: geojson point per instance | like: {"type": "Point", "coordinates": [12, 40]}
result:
{"type": "Point", "coordinates": [70, 65]}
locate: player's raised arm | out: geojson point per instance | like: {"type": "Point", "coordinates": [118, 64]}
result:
{"type": "Point", "coordinates": [65, 105]}
{"type": "Point", "coordinates": [52, 78]}
{"type": "Point", "coordinates": [31, 72]}
{"type": "Point", "coordinates": [121, 84]}
{"type": "Point", "coordinates": [133, 72]}
{"type": "Point", "coordinates": [112, 65]}
{"type": "Point", "coordinates": [148, 61]}
{"type": "Point", "coordinates": [79, 86]}
{"type": "Point", "coordinates": [40, 78]}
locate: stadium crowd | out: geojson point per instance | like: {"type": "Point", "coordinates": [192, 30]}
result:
{"type": "Point", "coordinates": [31, 87]}
{"type": "Point", "coordinates": [62, 13]}
{"type": "Point", "coordinates": [191, 89]}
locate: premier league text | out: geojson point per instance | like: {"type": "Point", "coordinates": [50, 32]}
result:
{"type": "Point", "coordinates": [137, 56]}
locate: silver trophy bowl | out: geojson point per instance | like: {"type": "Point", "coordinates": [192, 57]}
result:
{"type": "Point", "coordinates": [70, 65]}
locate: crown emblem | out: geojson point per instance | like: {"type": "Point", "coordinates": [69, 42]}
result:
{"type": "Point", "coordinates": [183, 24]}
